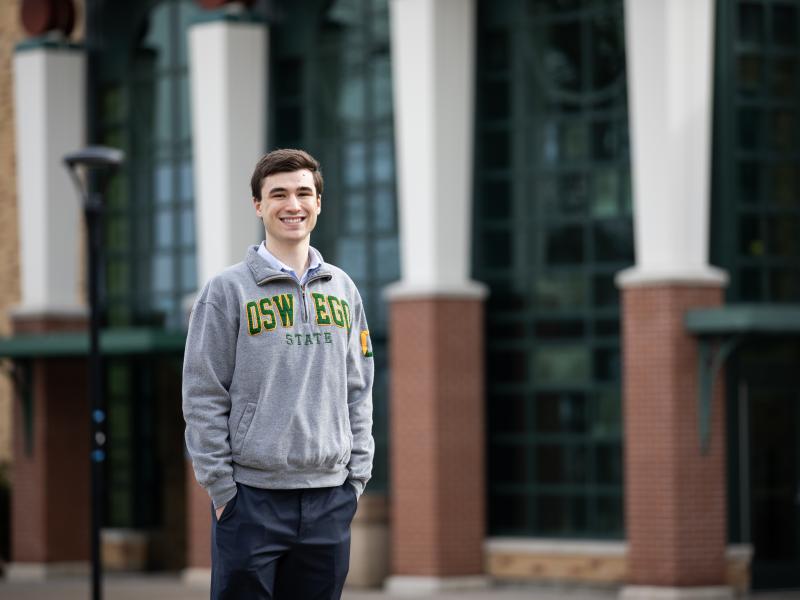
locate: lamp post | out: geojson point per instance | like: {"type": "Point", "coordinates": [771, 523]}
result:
{"type": "Point", "coordinates": [91, 169]}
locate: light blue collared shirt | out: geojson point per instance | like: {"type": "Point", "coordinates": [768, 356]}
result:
{"type": "Point", "coordinates": [314, 263]}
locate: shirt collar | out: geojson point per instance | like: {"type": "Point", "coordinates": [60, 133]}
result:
{"type": "Point", "coordinates": [314, 260]}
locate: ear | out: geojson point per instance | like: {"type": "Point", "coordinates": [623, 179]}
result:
{"type": "Point", "coordinates": [257, 205]}
{"type": "Point", "coordinates": [319, 204]}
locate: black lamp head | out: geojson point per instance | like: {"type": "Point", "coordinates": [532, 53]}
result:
{"type": "Point", "coordinates": [95, 157]}
{"type": "Point", "coordinates": [92, 167]}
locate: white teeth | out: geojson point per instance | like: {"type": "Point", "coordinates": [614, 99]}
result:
{"type": "Point", "coordinates": [292, 219]}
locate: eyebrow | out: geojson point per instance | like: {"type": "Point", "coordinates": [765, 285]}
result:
{"type": "Point", "coordinates": [280, 190]}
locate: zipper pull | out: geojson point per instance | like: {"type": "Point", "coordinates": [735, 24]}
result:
{"type": "Point", "coordinates": [305, 304]}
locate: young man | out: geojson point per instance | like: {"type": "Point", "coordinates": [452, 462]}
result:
{"type": "Point", "coordinates": [277, 397]}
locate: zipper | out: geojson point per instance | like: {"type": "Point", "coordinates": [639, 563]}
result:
{"type": "Point", "coordinates": [303, 290]}
{"type": "Point", "coordinates": [305, 304]}
{"type": "Point", "coordinates": [302, 287]}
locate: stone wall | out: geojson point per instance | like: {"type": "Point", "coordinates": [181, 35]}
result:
{"type": "Point", "coordinates": [10, 33]}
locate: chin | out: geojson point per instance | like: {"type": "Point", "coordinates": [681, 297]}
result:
{"type": "Point", "coordinates": [291, 238]}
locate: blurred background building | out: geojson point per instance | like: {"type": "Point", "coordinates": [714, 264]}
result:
{"type": "Point", "coordinates": [479, 188]}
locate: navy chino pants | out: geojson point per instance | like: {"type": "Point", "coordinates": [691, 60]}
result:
{"type": "Point", "coordinates": [282, 544]}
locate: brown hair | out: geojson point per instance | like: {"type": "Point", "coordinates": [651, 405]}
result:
{"type": "Point", "coordinates": [284, 160]}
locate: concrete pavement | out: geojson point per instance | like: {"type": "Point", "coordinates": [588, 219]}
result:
{"type": "Point", "coordinates": [167, 587]}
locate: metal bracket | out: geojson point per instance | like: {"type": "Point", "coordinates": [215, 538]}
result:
{"type": "Point", "coordinates": [710, 361]}
{"type": "Point", "coordinates": [728, 326]}
{"type": "Point", "coordinates": [20, 372]}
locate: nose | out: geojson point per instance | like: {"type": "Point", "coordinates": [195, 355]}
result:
{"type": "Point", "coordinates": [294, 202]}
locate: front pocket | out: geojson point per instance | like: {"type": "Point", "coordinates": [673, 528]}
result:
{"type": "Point", "coordinates": [226, 512]}
{"type": "Point", "coordinates": [243, 427]}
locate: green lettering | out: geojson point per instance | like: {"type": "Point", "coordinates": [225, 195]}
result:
{"type": "Point", "coordinates": [289, 339]}
{"type": "Point", "coordinates": [253, 322]}
{"type": "Point", "coordinates": [299, 338]}
{"type": "Point", "coordinates": [308, 340]}
{"type": "Point", "coordinates": [319, 306]}
{"type": "Point", "coordinates": [346, 310]}
{"type": "Point", "coordinates": [316, 336]}
{"type": "Point", "coordinates": [336, 311]}
{"type": "Point", "coordinates": [285, 305]}
{"type": "Point", "coordinates": [269, 322]}
{"type": "Point", "coordinates": [328, 338]}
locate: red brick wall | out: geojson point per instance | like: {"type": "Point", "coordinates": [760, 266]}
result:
{"type": "Point", "coordinates": [437, 437]}
{"type": "Point", "coordinates": [36, 324]}
{"type": "Point", "coordinates": [50, 500]}
{"type": "Point", "coordinates": [675, 498]}
{"type": "Point", "coordinates": [28, 480]}
{"type": "Point", "coordinates": [198, 523]}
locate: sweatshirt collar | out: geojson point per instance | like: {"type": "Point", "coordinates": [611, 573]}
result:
{"type": "Point", "coordinates": [263, 271]}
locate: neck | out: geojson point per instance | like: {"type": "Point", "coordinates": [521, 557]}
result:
{"type": "Point", "coordinates": [294, 255]}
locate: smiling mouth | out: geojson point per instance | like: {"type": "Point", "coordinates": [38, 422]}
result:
{"type": "Point", "coordinates": [292, 220]}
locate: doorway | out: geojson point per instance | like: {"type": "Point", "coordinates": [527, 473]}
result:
{"type": "Point", "coordinates": [765, 448]}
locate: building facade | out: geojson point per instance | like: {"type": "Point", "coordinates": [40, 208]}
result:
{"type": "Point", "coordinates": [575, 225]}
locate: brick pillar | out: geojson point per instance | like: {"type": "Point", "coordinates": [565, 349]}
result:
{"type": "Point", "coordinates": [437, 442]}
{"type": "Point", "coordinates": [50, 492]}
{"type": "Point", "coordinates": [675, 496]}
{"type": "Point", "coordinates": [198, 530]}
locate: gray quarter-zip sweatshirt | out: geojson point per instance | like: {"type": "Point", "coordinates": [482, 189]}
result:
{"type": "Point", "coordinates": [277, 381]}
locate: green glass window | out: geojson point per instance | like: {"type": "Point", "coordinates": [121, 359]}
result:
{"type": "Point", "coordinates": [332, 96]}
{"type": "Point", "coordinates": [757, 150]}
{"type": "Point", "coordinates": [755, 237]}
{"type": "Point", "coordinates": [140, 94]}
{"type": "Point", "coordinates": [142, 91]}
{"type": "Point", "coordinates": [552, 220]}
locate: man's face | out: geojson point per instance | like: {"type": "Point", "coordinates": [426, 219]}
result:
{"type": "Point", "coordinates": [289, 206]}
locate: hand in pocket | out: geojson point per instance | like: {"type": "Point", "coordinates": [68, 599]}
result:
{"type": "Point", "coordinates": [220, 510]}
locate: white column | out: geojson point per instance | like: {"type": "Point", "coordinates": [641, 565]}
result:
{"type": "Point", "coordinates": [669, 46]}
{"type": "Point", "coordinates": [433, 67]}
{"type": "Point", "coordinates": [49, 106]}
{"type": "Point", "coordinates": [228, 69]}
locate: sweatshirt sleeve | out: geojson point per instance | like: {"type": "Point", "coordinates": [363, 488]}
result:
{"type": "Point", "coordinates": [207, 373]}
{"type": "Point", "coordinates": [360, 372]}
